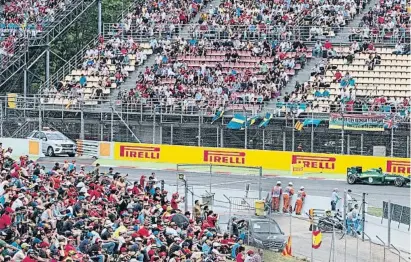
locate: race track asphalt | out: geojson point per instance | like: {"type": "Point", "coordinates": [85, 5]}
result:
{"type": "Point", "coordinates": [316, 187]}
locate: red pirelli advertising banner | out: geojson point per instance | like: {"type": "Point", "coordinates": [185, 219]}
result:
{"type": "Point", "coordinates": [276, 160]}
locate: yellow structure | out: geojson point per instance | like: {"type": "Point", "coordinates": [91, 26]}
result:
{"type": "Point", "coordinates": [275, 160]}
{"type": "Point", "coordinates": [259, 207]}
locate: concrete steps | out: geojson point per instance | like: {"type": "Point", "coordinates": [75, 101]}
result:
{"type": "Point", "coordinates": [303, 75]}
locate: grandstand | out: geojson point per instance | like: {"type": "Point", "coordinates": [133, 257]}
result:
{"type": "Point", "coordinates": [27, 31]}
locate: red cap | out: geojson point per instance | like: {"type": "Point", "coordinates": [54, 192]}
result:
{"type": "Point", "coordinates": [250, 252]}
{"type": "Point", "coordinates": [9, 210]}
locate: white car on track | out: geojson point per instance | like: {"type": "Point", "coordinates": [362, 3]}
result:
{"type": "Point", "coordinates": [54, 143]}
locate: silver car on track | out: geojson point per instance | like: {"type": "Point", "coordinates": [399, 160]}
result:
{"type": "Point", "coordinates": [54, 143]}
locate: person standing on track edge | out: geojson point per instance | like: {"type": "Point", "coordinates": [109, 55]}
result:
{"type": "Point", "coordinates": [275, 197]}
{"type": "Point", "coordinates": [287, 195]}
{"type": "Point", "coordinates": [334, 199]}
{"type": "Point", "coordinates": [300, 201]}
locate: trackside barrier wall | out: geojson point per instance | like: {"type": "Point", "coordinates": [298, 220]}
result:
{"type": "Point", "coordinates": [87, 148]}
{"type": "Point", "coordinates": [94, 149]}
{"type": "Point", "coordinates": [22, 146]}
{"type": "Point", "coordinates": [274, 160]}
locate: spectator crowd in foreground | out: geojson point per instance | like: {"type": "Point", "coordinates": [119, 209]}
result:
{"type": "Point", "coordinates": [65, 213]}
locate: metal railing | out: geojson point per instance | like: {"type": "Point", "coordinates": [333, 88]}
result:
{"type": "Point", "coordinates": [192, 107]}
{"type": "Point", "coordinates": [308, 34]}
{"type": "Point", "coordinates": [194, 127]}
{"type": "Point", "coordinates": [65, 20]}
{"type": "Point", "coordinates": [25, 32]}
{"type": "Point", "coordinates": [65, 70]}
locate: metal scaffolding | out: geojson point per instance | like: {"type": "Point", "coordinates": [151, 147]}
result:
{"type": "Point", "coordinates": [34, 49]}
{"type": "Point", "coordinates": [117, 121]}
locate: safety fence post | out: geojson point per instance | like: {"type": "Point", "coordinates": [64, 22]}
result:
{"type": "Point", "coordinates": [389, 224]}
{"type": "Point", "coordinates": [363, 215]}
{"type": "Point", "coordinates": [260, 189]}
{"type": "Point", "coordinates": [345, 224]}
{"type": "Point", "coordinates": [229, 215]}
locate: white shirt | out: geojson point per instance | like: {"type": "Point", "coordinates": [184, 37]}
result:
{"type": "Point", "coordinates": [248, 259]}
{"type": "Point", "coordinates": [2, 186]}
{"type": "Point", "coordinates": [19, 256]}
{"type": "Point", "coordinates": [17, 203]}
{"type": "Point", "coordinates": [334, 197]}
{"type": "Point", "coordinates": [95, 236]}
{"type": "Point", "coordinates": [349, 198]}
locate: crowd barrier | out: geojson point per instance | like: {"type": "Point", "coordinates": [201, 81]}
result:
{"type": "Point", "coordinates": [274, 160]}
{"type": "Point", "coordinates": [22, 146]}
{"type": "Point", "coordinates": [95, 149]}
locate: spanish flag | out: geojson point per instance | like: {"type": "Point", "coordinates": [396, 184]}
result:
{"type": "Point", "coordinates": [299, 126]}
{"type": "Point", "coordinates": [317, 239]}
{"type": "Point", "coordinates": [287, 248]}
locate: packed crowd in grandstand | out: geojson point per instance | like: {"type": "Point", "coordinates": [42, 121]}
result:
{"type": "Point", "coordinates": [242, 52]}
{"type": "Point", "coordinates": [20, 19]}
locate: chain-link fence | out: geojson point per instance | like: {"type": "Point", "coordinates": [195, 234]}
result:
{"type": "Point", "coordinates": [213, 176]}
{"type": "Point", "coordinates": [196, 129]}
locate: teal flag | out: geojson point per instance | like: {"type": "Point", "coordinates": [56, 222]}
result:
{"type": "Point", "coordinates": [266, 120]}
{"type": "Point", "coordinates": [251, 120]}
{"type": "Point", "coordinates": [218, 115]}
{"type": "Point", "coordinates": [238, 122]}
{"type": "Point", "coordinates": [310, 121]}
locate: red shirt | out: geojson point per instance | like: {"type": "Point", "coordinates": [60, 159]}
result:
{"type": "Point", "coordinates": [143, 232]}
{"type": "Point", "coordinates": [328, 45]}
{"type": "Point", "coordinates": [28, 259]}
{"type": "Point", "coordinates": [57, 182]}
{"type": "Point", "coordinates": [224, 242]}
{"type": "Point", "coordinates": [68, 248]}
{"type": "Point", "coordinates": [205, 225]}
{"type": "Point", "coordinates": [211, 220]}
{"type": "Point", "coordinates": [142, 181]}
{"type": "Point", "coordinates": [338, 76]}
{"type": "Point", "coordinates": [95, 193]}
{"type": "Point", "coordinates": [5, 221]}
{"type": "Point", "coordinates": [136, 190]}
{"type": "Point", "coordinates": [174, 204]}
{"type": "Point", "coordinates": [239, 258]}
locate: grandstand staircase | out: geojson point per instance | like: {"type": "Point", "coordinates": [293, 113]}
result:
{"type": "Point", "coordinates": [131, 81]}
{"type": "Point", "coordinates": [305, 73]}
{"type": "Point", "coordinates": [354, 23]}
